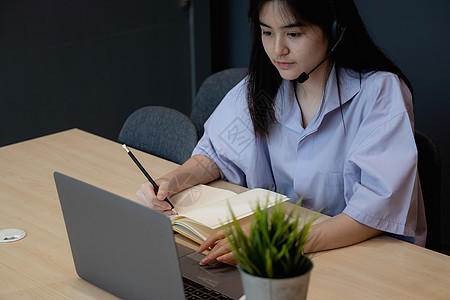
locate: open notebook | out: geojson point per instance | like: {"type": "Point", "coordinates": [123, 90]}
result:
{"type": "Point", "coordinates": [202, 209]}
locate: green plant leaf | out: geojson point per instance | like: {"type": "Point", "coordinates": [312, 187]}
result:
{"type": "Point", "coordinates": [269, 265]}
{"type": "Point", "coordinates": [275, 242]}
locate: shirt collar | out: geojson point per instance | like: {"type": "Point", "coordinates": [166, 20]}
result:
{"type": "Point", "coordinates": [350, 85]}
{"type": "Point", "coordinates": [288, 113]}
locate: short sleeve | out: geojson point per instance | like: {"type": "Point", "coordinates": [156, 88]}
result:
{"type": "Point", "coordinates": [381, 184]}
{"type": "Point", "coordinates": [229, 141]}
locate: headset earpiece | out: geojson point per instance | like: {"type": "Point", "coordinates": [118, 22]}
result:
{"type": "Point", "coordinates": [336, 28]}
{"type": "Point", "coordinates": [334, 31]}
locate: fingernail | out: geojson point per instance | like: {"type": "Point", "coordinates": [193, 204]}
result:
{"type": "Point", "coordinates": [203, 262]}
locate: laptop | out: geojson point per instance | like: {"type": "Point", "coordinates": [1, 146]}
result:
{"type": "Point", "coordinates": [129, 250]}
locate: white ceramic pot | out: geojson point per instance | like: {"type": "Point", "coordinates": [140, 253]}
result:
{"type": "Point", "coordinates": [259, 288]}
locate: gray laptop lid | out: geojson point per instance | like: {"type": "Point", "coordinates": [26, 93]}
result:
{"type": "Point", "coordinates": [128, 249]}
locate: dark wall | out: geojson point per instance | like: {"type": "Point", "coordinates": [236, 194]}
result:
{"type": "Point", "coordinates": [230, 28]}
{"type": "Point", "coordinates": [89, 64]}
{"type": "Point", "coordinates": [414, 34]}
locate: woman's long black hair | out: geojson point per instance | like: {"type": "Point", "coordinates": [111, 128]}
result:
{"type": "Point", "coordinates": [356, 51]}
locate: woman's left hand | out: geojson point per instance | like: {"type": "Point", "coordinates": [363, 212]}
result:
{"type": "Point", "coordinates": [220, 249]}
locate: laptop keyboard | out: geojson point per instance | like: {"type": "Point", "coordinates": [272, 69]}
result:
{"type": "Point", "coordinates": [194, 291]}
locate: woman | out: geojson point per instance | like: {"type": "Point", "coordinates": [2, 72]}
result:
{"type": "Point", "coordinates": [342, 138]}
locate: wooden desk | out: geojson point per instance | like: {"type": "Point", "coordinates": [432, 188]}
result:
{"type": "Point", "coordinates": [41, 266]}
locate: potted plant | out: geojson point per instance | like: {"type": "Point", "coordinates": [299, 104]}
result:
{"type": "Point", "coordinates": [270, 254]}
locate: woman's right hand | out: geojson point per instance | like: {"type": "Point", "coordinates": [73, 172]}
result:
{"type": "Point", "coordinates": [148, 196]}
{"type": "Point", "coordinates": [197, 169]}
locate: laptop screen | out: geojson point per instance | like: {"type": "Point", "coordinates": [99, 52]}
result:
{"type": "Point", "coordinates": [128, 249]}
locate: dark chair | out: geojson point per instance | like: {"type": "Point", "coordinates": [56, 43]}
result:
{"type": "Point", "coordinates": [161, 131]}
{"type": "Point", "coordinates": [211, 92]}
{"type": "Point", "coordinates": [429, 166]}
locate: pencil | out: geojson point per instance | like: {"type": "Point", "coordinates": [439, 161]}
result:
{"type": "Point", "coordinates": [155, 186]}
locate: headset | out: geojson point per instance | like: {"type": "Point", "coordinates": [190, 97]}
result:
{"type": "Point", "coordinates": [337, 28]}
{"type": "Point", "coordinates": [337, 32]}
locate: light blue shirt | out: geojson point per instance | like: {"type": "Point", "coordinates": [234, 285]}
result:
{"type": "Point", "coordinates": [362, 162]}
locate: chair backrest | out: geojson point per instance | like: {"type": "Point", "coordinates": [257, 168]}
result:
{"type": "Point", "coordinates": [161, 131]}
{"type": "Point", "coordinates": [211, 92]}
{"type": "Point", "coordinates": [429, 166]}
